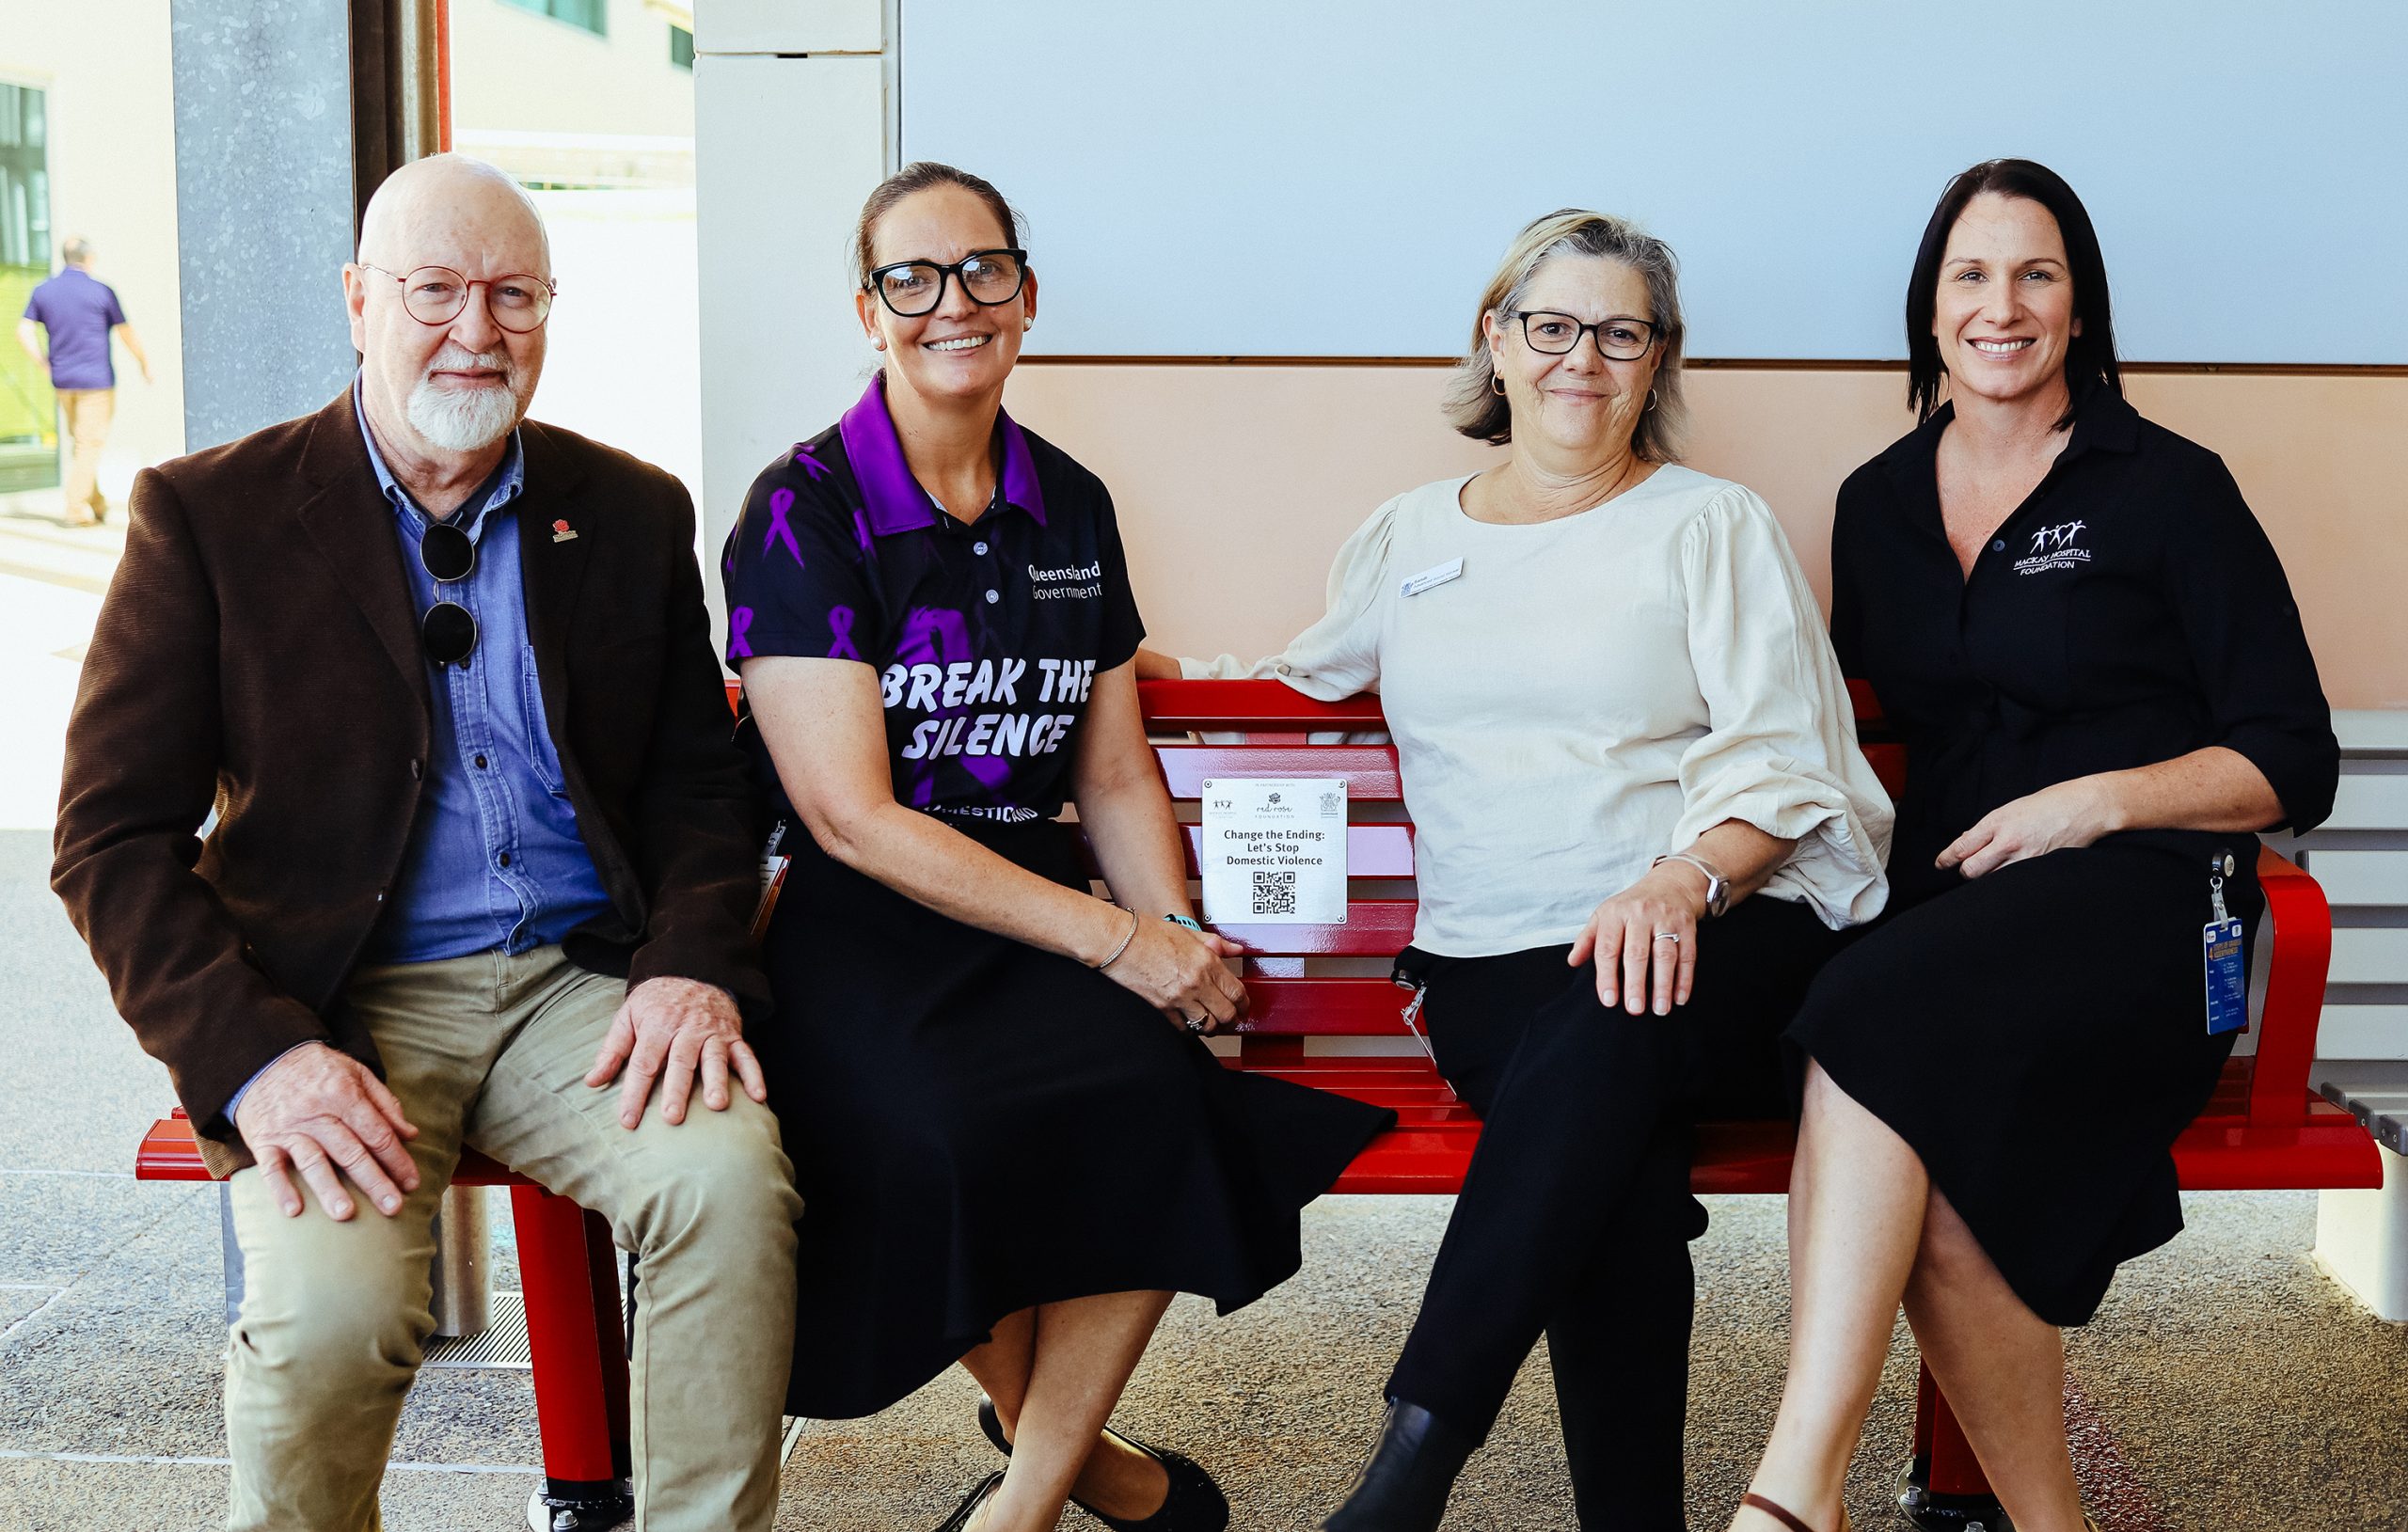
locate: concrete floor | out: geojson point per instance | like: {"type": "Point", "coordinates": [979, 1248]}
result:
{"type": "Point", "coordinates": [2224, 1387]}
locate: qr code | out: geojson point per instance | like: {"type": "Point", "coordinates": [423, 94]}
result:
{"type": "Point", "coordinates": [1275, 893]}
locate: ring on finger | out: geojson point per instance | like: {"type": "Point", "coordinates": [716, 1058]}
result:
{"type": "Point", "coordinates": [1196, 1023]}
{"type": "Point", "coordinates": [1668, 936]}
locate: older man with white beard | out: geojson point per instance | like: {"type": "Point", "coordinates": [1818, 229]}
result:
{"type": "Point", "coordinates": [481, 849]}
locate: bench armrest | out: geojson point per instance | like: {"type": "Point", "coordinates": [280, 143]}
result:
{"type": "Point", "coordinates": [2296, 959]}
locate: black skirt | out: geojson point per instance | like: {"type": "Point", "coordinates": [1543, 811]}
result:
{"type": "Point", "coordinates": [979, 1127]}
{"type": "Point", "coordinates": [2038, 1037]}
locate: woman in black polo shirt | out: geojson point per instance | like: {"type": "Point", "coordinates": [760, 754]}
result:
{"type": "Point", "coordinates": [1012, 1146]}
{"type": "Point", "coordinates": [2091, 653]}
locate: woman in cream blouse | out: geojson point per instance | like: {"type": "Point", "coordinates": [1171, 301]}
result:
{"type": "Point", "coordinates": [1641, 818]}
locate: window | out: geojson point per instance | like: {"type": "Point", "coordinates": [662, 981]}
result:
{"type": "Point", "coordinates": [29, 421]}
{"type": "Point", "coordinates": [681, 46]}
{"type": "Point", "coordinates": [593, 15]}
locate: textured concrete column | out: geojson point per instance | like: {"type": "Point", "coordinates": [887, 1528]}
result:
{"type": "Point", "coordinates": [263, 209]}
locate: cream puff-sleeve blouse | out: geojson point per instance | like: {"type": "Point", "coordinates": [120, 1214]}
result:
{"type": "Point", "coordinates": [1590, 693]}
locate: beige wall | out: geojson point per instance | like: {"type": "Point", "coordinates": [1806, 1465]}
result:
{"type": "Point", "coordinates": [1237, 483]}
{"type": "Point", "coordinates": [105, 68]}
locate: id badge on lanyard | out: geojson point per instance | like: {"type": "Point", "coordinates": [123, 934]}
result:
{"type": "Point", "coordinates": [2220, 944]}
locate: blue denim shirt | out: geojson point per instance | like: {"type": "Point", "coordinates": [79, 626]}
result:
{"type": "Point", "coordinates": [495, 860]}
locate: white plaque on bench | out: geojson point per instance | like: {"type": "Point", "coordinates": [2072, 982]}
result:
{"type": "Point", "coordinates": [1274, 850]}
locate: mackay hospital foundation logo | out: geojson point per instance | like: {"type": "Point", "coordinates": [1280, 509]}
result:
{"type": "Point", "coordinates": [2055, 547]}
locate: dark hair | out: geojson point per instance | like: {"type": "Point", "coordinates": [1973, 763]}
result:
{"type": "Point", "coordinates": [2090, 360]}
{"type": "Point", "coordinates": [919, 176]}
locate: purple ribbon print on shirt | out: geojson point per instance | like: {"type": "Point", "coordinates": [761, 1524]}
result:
{"type": "Point", "coordinates": [739, 623]}
{"type": "Point", "coordinates": [812, 466]}
{"type": "Point", "coordinates": [939, 636]}
{"type": "Point", "coordinates": [839, 629]}
{"type": "Point", "coordinates": [781, 530]}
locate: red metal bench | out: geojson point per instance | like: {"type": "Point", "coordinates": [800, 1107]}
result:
{"type": "Point", "coordinates": [2264, 1130]}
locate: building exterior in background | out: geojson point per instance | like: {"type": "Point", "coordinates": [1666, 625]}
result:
{"type": "Point", "coordinates": [87, 148]}
{"type": "Point", "coordinates": [590, 103]}
{"type": "Point", "coordinates": [576, 94]}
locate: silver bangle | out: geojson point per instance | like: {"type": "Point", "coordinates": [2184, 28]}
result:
{"type": "Point", "coordinates": [1717, 888]}
{"type": "Point", "coordinates": [1133, 923]}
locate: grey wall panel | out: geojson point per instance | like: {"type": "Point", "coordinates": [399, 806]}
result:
{"type": "Point", "coordinates": [263, 209]}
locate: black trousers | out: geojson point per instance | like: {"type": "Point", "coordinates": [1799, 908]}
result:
{"type": "Point", "coordinates": [1575, 1215]}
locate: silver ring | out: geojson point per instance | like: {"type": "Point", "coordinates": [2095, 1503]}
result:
{"type": "Point", "coordinates": [1668, 936]}
{"type": "Point", "coordinates": [1196, 1023]}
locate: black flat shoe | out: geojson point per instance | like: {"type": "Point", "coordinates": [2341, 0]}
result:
{"type": "Point", "coordinates": [1193, 1504]}
{"type": "Point", "coordinates": [1404, 1486]}
{"type": "Point", "coordinates": [969, 1506]}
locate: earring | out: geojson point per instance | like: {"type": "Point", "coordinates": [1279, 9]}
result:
{"type": "Point", "coordinates": [1651, 401]}
{"type": "Point", "coordinates": [1497, 386]}
{"type": "Point", "coordinates": [1027, 324]}
{"type": "Point", "coordinates": [878, 342]}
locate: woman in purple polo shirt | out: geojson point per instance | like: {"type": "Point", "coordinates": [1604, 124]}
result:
{"type": "Point", "coordinates": [1012, 1145]}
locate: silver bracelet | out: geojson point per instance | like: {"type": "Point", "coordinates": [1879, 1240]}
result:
{"type": "Point", "coordinates": [1133, 923]}
{"type": "Point", "coordinates": [1717, 888]}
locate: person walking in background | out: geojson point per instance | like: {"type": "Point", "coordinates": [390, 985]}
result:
{"type": "Point", "coordinates": [80, 312]}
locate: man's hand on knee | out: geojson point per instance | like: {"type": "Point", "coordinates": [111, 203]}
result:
{"type": "Point", "coordinates": [320, 1112]}
{"type": "Point", "coordinates": [668, 1031]}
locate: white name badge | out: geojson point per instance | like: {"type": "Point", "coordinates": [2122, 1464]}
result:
{"type": "Point", "coordinates": [1451, 570]}
{"type": "Point", "coordinates": [1274, 850]}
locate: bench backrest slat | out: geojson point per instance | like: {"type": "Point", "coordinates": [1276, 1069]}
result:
{"type": "Point", "coordinates": [1369, 770]}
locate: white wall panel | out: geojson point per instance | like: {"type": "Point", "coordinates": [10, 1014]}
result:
{"type": "Point", "coordinates": [2363, 879]}
{"type": "Point", "coordinates": [786, 149]}
{"type": "Point", "coordinates": [2369, 801]}
{"type": "Point", "coordinates": [2370, 955]}
{"type": "Point", "coordinates": [2363, 1031]}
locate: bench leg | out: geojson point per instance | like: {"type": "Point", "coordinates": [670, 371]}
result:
{"type": "Point", "coordinates": [1942, 1488]}
{"type": "Point", "coordinates": [578, 1344]}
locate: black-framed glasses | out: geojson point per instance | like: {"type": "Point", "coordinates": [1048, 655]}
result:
{"type": "Point", "coordinates": [449, 630]}
{"type": "Point", "coordinates": [912, 288]}
{"type": "Point", "coordinates": [1621, 339]}
{"type": "Point", "coordinates": [519, 303]}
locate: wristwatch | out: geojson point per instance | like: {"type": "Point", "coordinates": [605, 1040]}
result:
{"type": "Point", "coordinates": [1717, 888]}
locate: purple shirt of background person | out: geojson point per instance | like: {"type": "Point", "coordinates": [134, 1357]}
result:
{"type": "Point", "coordinates": [78, 310]}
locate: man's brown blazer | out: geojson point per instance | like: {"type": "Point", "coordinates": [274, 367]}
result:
{"type": "Point", "coordinates": [258, 655]}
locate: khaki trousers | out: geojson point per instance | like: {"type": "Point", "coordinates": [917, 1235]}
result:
{"type": "Point", "coordinates": [88, 412]}
{"type": "Point", "coordinates": [492, 1050]}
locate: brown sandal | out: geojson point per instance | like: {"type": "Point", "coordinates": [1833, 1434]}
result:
{"type": "Point", "coordinates": [1753, 1501]}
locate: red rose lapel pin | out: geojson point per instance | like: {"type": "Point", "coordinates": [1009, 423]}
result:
{"type": "Point", "coordinates": [562, 532]}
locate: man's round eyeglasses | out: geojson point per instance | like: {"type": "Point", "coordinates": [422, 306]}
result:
{"type": "Point", "coordinates": [519, 303]}
{"type": "Point", "coordinates": [1621, 339]}
{"type": "Point", "coordinates": [912, 288]}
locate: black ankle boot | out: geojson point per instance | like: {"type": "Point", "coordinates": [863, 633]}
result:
{"type": "Point", "coordinates": [1404, 1487]}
